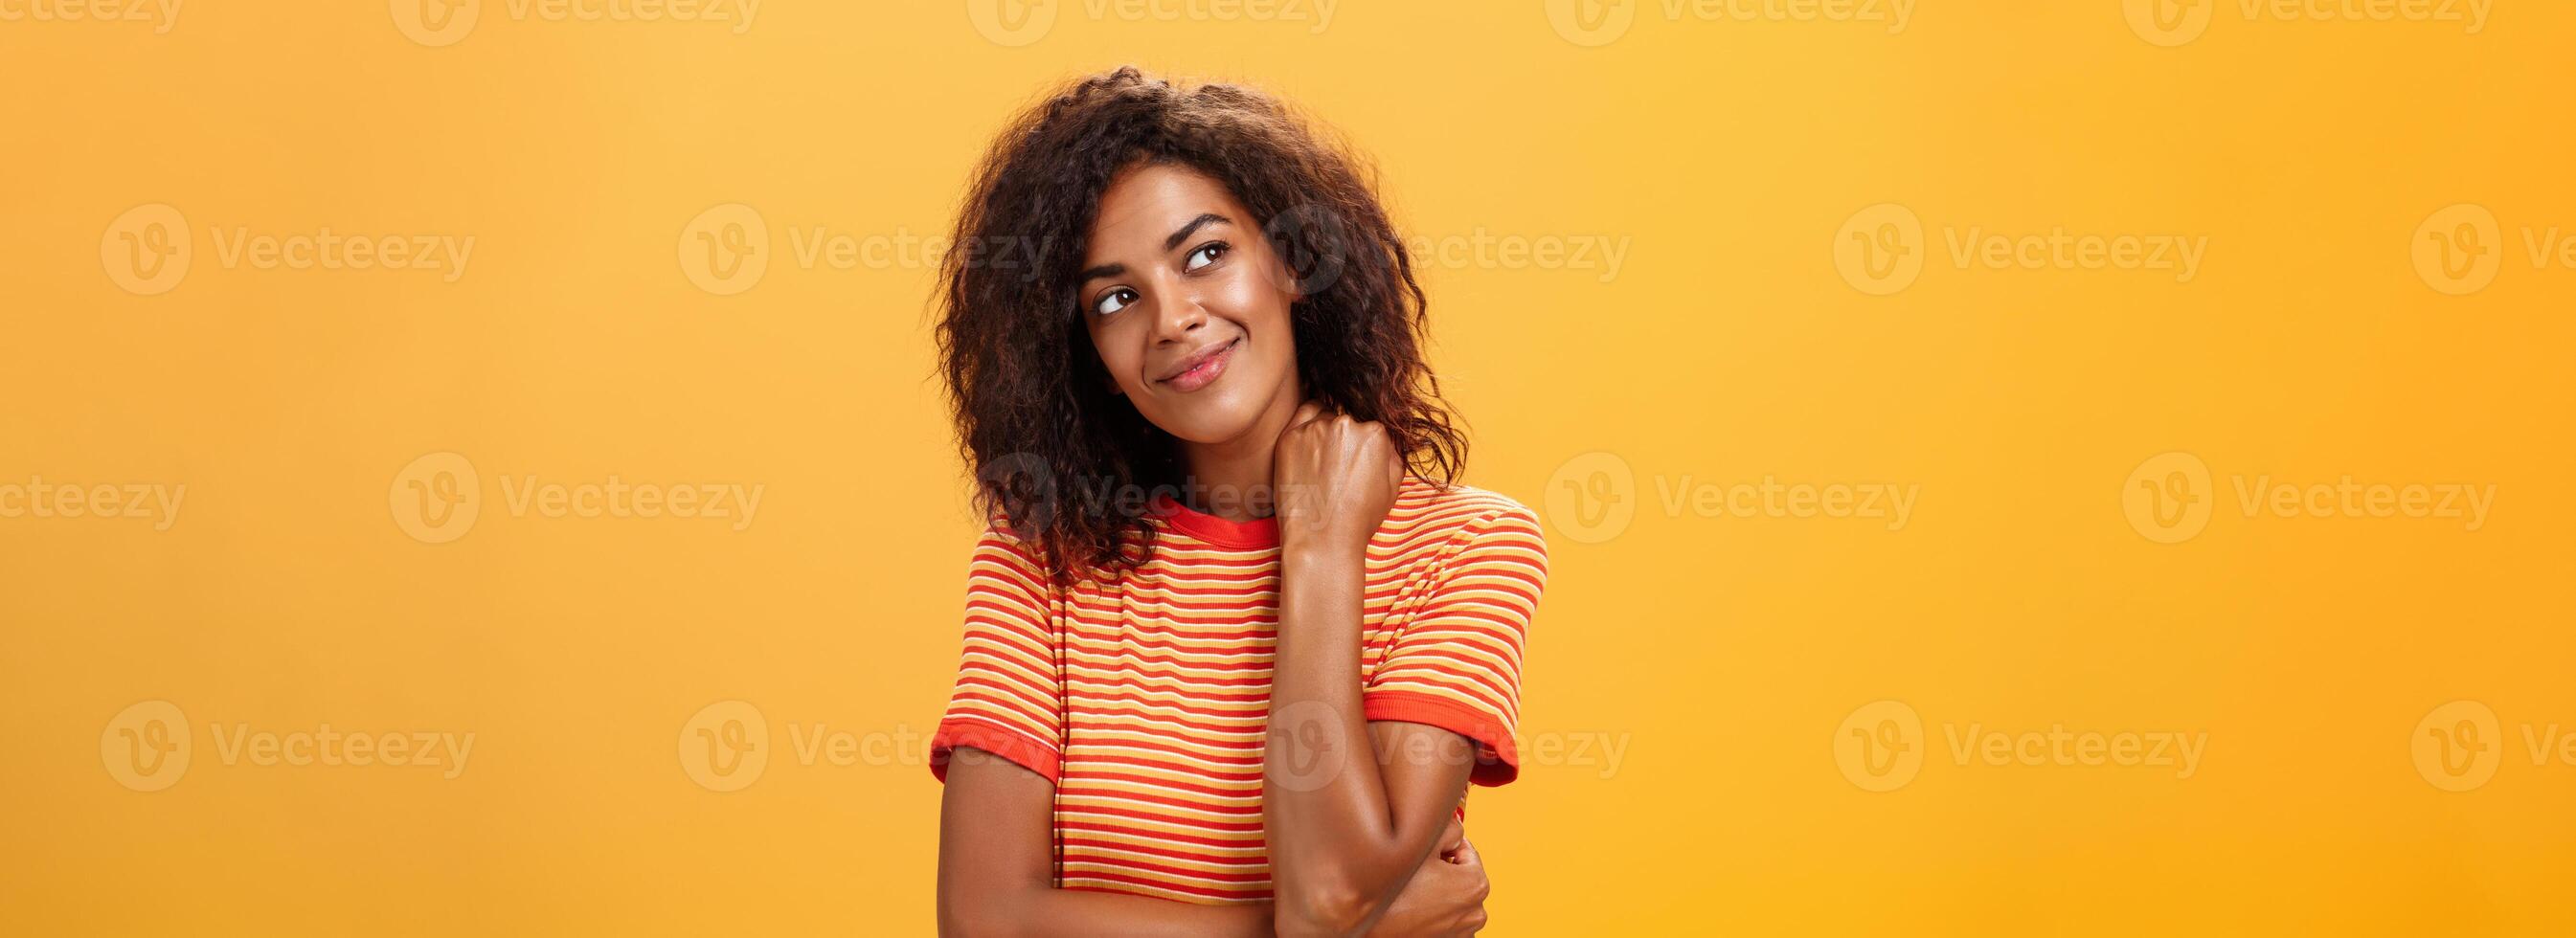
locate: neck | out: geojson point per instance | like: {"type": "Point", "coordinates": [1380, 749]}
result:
{"type": "Point", "coordinates": [1231, 478]}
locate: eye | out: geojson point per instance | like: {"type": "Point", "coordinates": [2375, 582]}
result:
{"type": "Point", "coordinates": [1113, 301]}
{"type": "Point", "coordinates": [1211, 250]}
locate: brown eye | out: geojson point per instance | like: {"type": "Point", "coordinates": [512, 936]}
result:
{"type": "Point", "coordinates": [1113, 301]}
{"type": "Point", "coordinates": [1211, 250]}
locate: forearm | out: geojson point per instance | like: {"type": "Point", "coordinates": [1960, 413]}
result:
{"type": "Point", "coordinates": [1336, 856]}
{"type": "Point", "coordinates": [996, 868]}
{"type": "Point", "coordinates": [1043, 911]}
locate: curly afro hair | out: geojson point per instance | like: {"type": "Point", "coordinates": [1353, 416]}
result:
{"type": "Point", "coordinates": [1056, 457]}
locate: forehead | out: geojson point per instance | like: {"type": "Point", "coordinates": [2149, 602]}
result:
{"type": "Point", "coordinates": [1145, 203]}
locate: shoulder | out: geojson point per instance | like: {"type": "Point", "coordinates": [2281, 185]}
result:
{"type": "Point", "coordinates": [1465, 517]}
{"type": "Point", "coordinates": [1006, 553]}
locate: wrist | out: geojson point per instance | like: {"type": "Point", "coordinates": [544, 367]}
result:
{"type": "Point", "coordinates": [1318, 552]}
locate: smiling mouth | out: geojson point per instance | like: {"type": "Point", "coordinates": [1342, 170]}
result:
{"type": "Point", "coordinates": [1203, 368]}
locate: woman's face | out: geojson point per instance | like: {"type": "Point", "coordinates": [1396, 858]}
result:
{"type": "Point", "coordinates": [1187, 304]}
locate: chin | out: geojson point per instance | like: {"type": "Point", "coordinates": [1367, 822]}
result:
{"type": "Point", "coordinates": [1203, 418]}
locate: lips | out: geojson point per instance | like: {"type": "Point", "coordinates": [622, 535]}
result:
{"type": "Point", "coordinates": [1202, 367]}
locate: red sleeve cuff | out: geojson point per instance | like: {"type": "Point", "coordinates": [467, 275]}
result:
{"type": "Point", "coordinates": [1497, 762]}
{"type": "Point", "coordinates": [1016, 746]}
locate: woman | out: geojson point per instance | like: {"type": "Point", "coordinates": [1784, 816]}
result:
{"type": "Point", "coordinates": [1236, 644]}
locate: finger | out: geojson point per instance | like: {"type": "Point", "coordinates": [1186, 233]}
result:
{"type": "Point", "coordinates": [1306, 412]}
{"type": "Point", "coordinates": [1467, 856]}
{"type": "Point", "coordinates": [1453, 837]}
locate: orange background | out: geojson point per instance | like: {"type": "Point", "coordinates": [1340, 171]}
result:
{"type": "Point", "coordinates": [1729, 653]}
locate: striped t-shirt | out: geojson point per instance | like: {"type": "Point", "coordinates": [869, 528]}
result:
{"type": "Point", "coordinates": [1144, 697]}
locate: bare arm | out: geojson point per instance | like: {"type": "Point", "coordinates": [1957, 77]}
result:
{"type": "Point", "coordinates": [996, 868]}
{"type": "Point", "coordinates": [1350, 808]}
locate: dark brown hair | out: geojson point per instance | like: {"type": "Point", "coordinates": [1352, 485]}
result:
{"type": "Point", "coordinates": [1055, 455]}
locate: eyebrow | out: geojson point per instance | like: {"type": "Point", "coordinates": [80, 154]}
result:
{"type": "Point", "coordinates": [1195, 224]}
{"type": "Point", "coordinates": [1170, 241]}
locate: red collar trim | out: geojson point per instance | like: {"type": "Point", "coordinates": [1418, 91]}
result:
{"type": "Point", "coordinates": [1259, 532]}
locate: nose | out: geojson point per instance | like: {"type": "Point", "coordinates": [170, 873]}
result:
{"type": "Point", "coordinates": [1174, 321]}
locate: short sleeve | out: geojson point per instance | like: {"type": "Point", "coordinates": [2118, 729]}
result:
{"type": "Point", "coordinates": [1457, 665]}
{"type": "Point", "coordinates": [1008, 693]}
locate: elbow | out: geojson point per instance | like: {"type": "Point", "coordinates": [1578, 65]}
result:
{"type": "Point", "coordinates": [962, 923]}
{"type": "Point", "coordinates": [1334, 906]}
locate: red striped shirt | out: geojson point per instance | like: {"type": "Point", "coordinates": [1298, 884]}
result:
{"type": "Point", "coordinates": [1144, 696]}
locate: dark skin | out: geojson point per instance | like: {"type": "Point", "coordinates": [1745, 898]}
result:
{"type": "Point", "coordinates": [1345, 832]}
{"type": "Point", "coordinates": [1177, 271]}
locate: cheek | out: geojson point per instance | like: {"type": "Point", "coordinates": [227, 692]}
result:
{"type": "Point", "coordinates": [1250, 294]}
{"type": "Point", "coordinates": [1118, 354]}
